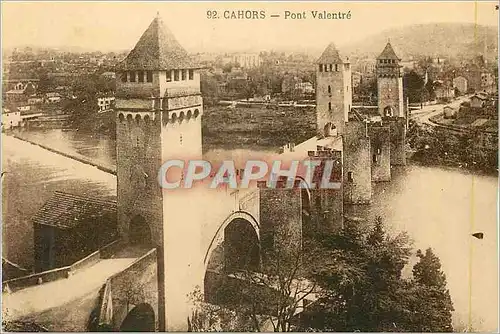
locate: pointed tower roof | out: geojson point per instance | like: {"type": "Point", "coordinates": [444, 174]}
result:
{"type": "Point", "coordinates": [388, 53]}
{"type": "Point", "coordinates": [330, 56]}
{"type": "Point", "coordinates": [157, 49]}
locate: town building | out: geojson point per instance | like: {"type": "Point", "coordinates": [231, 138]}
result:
{"type": "Point", "coordinates": [460, 83]}
{"type": "Point", "coordinates": [10, 118]}
{"type": "Point", "coordinates": [488, 83]}
{"type": "Point", "coordinates": [52, 97]}
{"type": "Point", "coordinates": [444, 90]}
{"type": "Point", "coordinates": [247, 60]}
{"type": "Point", "coordinates": [35, 100]}
{"type": "Point", "coordinates": [478, 100]}
{"type": "Point", "coordinates": [65, 229]}
{"type": "Point", "coordinates": [304, 88]}
{"type": "Point", "coordinates": [356, 79]}
{"type": "Point", "coordinates": [105, 103]}
{"type": "Point", "coordinates": [21, 91]}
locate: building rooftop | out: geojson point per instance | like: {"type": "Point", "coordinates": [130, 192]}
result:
{"type": "Point", "coordinates": [66, 211]}
{"type": "Point", "coordinates": [388, 53]}
{"type": "Point", "coordinates": [330, 56]}
{"type": "Point", "coordinates": [157, 49]}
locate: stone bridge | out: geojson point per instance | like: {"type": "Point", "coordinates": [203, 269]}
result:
{"type": "Point", "coordinates": [117, 287]}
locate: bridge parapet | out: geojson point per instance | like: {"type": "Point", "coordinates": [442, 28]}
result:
{"type": "Point", "coordinates": [20, 283]}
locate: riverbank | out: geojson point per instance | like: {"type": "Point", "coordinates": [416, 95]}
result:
{"type": "Point", "coordinates": [440, 147]}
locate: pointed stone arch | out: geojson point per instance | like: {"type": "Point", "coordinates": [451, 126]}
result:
{"type": "Point", "coordinates": [140, 319]}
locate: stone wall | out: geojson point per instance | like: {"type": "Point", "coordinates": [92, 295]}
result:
{"type": "Point", "coordinates": [280, 221]}
{"type": "Point", "coordinates": [380, 152]}
{"type": "Point", "coordinates": [135, 285]}
{"type": "Point", "coordinates": [138, 163]}
{"type": "Point", "coordinates": [327, 204]}
{"type": "Point", "coordinates": [357, 186]}
{"type": "Point", "coordinates": [398, 140]}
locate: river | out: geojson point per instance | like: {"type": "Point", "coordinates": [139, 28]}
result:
{"type": "Point", "coordinates": [438, 207]}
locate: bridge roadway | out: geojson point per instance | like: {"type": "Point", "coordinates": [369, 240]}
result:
{"type": "Point", "coordinates": [67, 301]}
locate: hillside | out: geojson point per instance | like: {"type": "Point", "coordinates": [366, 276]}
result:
{"type": "Point", "coordinates": [437, 39]}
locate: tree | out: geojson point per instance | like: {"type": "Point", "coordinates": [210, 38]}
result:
{"type": "Point", "coordinates": [209, 89]}
{"type": "Point", "coordinates": [414, 86]}
{"type": "Point", "coordinates": [361, 280]}
{"type": "Point", "coordinates": [433, 309]}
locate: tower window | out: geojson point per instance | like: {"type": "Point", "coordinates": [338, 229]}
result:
{"type": "Point", "coordinates": [336, 68]}
{"type": "Point", "coordinates": [331, 67]}
{"type": "Point", "coordinates": [329, 89]}
{"type": "Point", "coordinates": [141, 76]}
{"type": "Point", "coordinates": [183, 74]}
{"type": "Point", "coordinates": [149, 76]}
{"type": "Point", "coordinates": [321, 67]}
{"type": "Point", "coordinates": [132, 76]}
{"type": "Point", "coordinates": [124, 77]}
{"type": "Point", "coordinates": [329, 106]}
{"type": "Point", "coordinates": [349, 176]}
{"type": "Point", "coordinates": [169, 76]}
{"type": "Point", "coordinates": [374, 158]}
{"type": "Point", "coordinates": [191, 74]}
{"type": "Point", "coordinates": [176, 75]}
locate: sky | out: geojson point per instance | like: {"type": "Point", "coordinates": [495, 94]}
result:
{"type": "Point", "coordinates": [112, 26]}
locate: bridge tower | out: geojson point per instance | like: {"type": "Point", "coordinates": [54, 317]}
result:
{"type": "Point", "coordinates": [158, 117]}
{"type": "Point", "coordinates": [390, 101]}
{"type": "Point", "coordinates": [389, 84]}
{"type": "Point", "coordinates": [333, 92]}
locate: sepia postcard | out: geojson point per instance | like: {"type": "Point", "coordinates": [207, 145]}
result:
{"type": "Point", "coordinates": [249, 166]}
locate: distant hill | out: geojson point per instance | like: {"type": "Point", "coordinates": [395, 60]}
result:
{"type": "Point", "coordinates": [433, 39]}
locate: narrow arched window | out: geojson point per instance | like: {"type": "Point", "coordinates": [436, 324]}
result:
{"type": "Point", "coordinates": [329, 89]}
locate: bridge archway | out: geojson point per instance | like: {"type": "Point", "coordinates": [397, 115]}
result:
{"type": "Point", "coordinates": [235, 246]}
{"type": "Point", "coordinates": [139, 232]}
{"type": "Point", "coordinates": [305, 193]}
{"type": "Point", "coordinates": [241, 246]}
{"type": "Point", "coordinates": [218, 238]}
{"type": "Point", "coordinates": [140, 319]}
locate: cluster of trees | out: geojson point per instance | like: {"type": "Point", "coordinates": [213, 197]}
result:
{"type": "Point", "coordinates": [351, 281]}
{"type": "Point", "coordinates": [416, 89]}
{"type": "Point", "coordinates": [84, 108]}
{"type": "Point", "coordinates": [434, 146]}
{"type": "Point", "coordinates": [366, 291]}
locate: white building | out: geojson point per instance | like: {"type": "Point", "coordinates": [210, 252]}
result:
{"type": "Point", "coordinates": [304, 87]}
{"type": "Point", "coordinates": [52, 97]}
{"type": "Point", "coordinates": [104, 103]}
{"type": "Point", "coordinates": [10, 119]}
{"type": "Point", "coordinates": [247, 60]}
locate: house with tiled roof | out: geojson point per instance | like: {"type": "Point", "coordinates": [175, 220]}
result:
{"type": "Point", "coordinates": [69, 227]}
